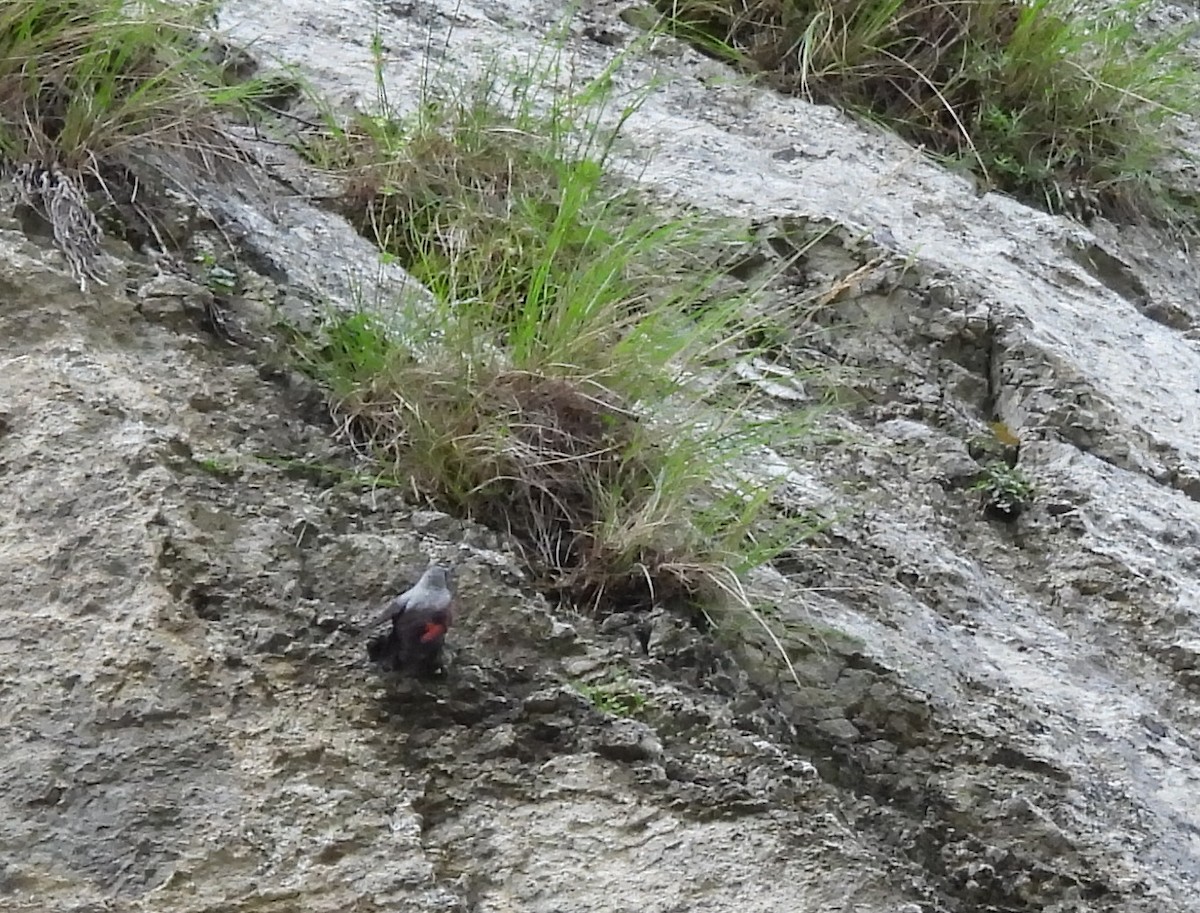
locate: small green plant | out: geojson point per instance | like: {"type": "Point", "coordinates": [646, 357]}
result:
{"type": "Point", "coordinates": [220, 468]}
{"type": "Point", "coordinates": [1006, 490]}
{"type": "Point", "coordinates": [351, 350]}
{"type": "Point", "coordinates": [218, 279]}
{"type": "Point", "coordinates": [617, 697]}
{"type": "Point", "coordinates": [1057, 101]}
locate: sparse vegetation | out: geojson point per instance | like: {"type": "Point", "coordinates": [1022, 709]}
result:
{"type": "Point", "coordinates": [220, 280]}
{"type": "Point", "coordinates": [221, 468]}
{"type": "Point", "coordinates": [1006, 490]}
{"type": "Point", "coordinates": [564, 383]}
{"type": "Point", "coordinates": [617, 697]}
{"type": "Point", "coordinates": [325, 473]}
{"type": "Point", "coordinates": [1060, 102]}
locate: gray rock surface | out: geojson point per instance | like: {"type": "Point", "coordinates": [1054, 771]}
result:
{"type": "Point", "coordinates": [988, 716]}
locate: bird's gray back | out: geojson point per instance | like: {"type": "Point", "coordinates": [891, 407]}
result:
{"type": "Point", "coordinates": [429, 594]}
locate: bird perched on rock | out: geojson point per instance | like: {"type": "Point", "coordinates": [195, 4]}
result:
{"type": "Point", "coordinates": [420, 617]}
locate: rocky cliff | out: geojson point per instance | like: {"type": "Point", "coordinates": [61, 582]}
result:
{"type": "Point", "coordinates": [984, 715]}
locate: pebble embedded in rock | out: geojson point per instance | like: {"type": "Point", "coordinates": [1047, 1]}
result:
{"type": "Point", "coordinates": [1183, 655]}
{"type": "Point", "coordinates": [629, 740]}
{"type": "Point", "coordinates": [841, 730]}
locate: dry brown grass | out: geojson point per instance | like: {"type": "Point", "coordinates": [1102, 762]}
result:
{"type": "Point", "coordinates": [546, 458]}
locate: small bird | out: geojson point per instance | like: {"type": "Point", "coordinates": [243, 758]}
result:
{"type": "Point", "coordinates": [420, 617]}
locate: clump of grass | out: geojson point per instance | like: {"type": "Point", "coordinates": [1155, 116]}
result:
{"type": "Point", "coordinates": [89, 89]}
{"type": "Point", "coordinates": [560, 387]}
{"type": "Point", "coordinates": [83, 78]}
{"type": "Point", "coordinates": [478, 189]}
{"type": "Point", "coordinates": [1052, 100]}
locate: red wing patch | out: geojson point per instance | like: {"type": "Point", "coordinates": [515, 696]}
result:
{"type": "Point", "coordinates": [432, 631]}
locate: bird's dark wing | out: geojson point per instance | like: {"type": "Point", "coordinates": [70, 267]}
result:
{"type": "Point", "coordinates": [394, 608]}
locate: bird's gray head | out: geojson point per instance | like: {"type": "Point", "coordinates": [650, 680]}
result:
{"type": "Point", "coordinates": [437, 576]}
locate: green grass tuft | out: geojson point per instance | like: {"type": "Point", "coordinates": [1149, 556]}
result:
{"type": "Point", "coordinates": [94, 94]}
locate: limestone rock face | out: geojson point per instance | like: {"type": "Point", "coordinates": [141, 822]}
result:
{"type": "Point", "coordinates": [984, 715]}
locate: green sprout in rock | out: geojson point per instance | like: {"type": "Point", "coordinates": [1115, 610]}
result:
{"type": "Point", "coordinates": [1006, 490]}
{"type": "Point", "coordinates": [616, 697]}
{"type": "Point", "coordinates": [219, 280]}
{"type": "Point", "coordinates": [220, 468]}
